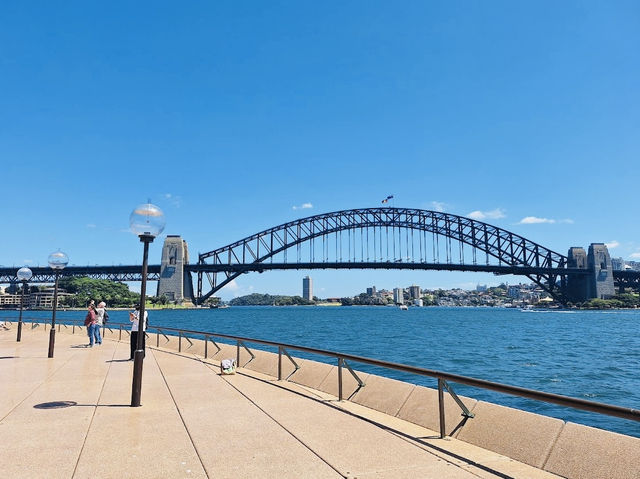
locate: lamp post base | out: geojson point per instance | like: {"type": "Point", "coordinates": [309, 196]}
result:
{"type": "Point", "coordinates": [138, 358]}
{"type": "Point", "coordinates": [19, 331]}
{"type": "Point", "coordinates": [52, 341]}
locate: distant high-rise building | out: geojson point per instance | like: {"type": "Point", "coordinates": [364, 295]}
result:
{"type": "Point", "coordinates": [398, 295]}
{"type": "Point", "coordinates": [481, 288]}
{"type": "Point", "coordinates": [617, 264]}
{"type": "Point", "coordinates": [307, 288]}
{"type": "Point", "coordinates": [371, 291]}
{"type": "Point", "coordinates": [414, 292]}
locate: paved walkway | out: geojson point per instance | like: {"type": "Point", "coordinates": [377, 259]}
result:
{"type": "Point", "coordinates": [195, 423]}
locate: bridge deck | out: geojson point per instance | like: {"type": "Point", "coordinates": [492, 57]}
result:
{"type": "Point", "coordinates": [195, 423]}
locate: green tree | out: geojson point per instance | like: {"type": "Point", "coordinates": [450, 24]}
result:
{"type": "Point", "coordinates": [85, 289]}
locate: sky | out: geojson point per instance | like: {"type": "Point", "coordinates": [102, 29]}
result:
{"type": "Point", "coordinates": [234, 117]}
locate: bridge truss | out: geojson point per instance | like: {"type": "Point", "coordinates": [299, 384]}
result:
{"type": "Point", "coordinates": [44, 275]}
{"type": "Point", "coordinates": [385, 238]}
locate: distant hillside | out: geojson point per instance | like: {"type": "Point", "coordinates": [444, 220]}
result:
{"type": "Point", "coordinates": [256, 299]}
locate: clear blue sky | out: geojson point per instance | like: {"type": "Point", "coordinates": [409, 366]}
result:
{"type": "Point", "coordinates": [228, 115]}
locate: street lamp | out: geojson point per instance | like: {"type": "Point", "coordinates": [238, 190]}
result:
{"type": "Point", "coordinates": [57, 261]}
{"type": "Point", "coordinates": [24, 274]}
{"type": "Point", "coordinates": [147, 222]}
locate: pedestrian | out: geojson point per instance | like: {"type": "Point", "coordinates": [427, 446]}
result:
{"type": "Point", "coordinates": [90, 321]}
{"type": "Point", "coordinates": [100, 312]}
{"type": "Point", "coordinates": [134, 318]}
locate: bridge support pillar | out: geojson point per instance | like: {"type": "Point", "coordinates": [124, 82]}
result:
{"type": "Point", "coordinates": [174, 283]}
{"type": "Point", "coordinates": [598, 284]}
{"type": "Point", "coordinates": [577, 286]}
{"type": "Point", "coordinates": [599, 261]}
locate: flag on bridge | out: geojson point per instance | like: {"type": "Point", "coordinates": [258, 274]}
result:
{"type": "Point", "coordinates": [386, 200]}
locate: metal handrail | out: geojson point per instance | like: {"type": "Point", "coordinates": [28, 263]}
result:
{"type": "Point", "coordinates": [567, 401]}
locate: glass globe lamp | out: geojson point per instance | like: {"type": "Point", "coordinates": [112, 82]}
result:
{"type": "Point", "coordinates": [24, 274]}
{"type": "Point", "coordinates": [147, 220]}
{"type": "Point", "coordinates": [58, 260]}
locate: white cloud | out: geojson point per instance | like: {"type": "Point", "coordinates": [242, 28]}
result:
{"type": "Point", "coordinates": [303, 206]}
{"type": "Point", "coordinates": [28, 261]}
{"type": "Point", "coordinates": [232, 286]}
{"type": "Point", "coordinates": [635, 255]}
{"type": "Point", "coordinates": [612, 244]}
{"type": "Point", "coordinates": [533, 220]}
{"type": "Point", "coordinates": [175, 200]}
{"type": "Point", "coordinates": [91, 225]}
{"type": "Point", "coordinates": [483, 215]}
{"type": "Point", "coordinates": [439, 206]}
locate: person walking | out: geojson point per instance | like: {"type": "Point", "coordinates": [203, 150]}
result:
{"type": "Point", "coordinates": [134, 317]}
{"type": "Point", "coordinates": [100, 312]}
{"type": "Point", "coordinates": [90, 321]}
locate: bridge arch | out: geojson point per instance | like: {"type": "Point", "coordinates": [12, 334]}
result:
{"type": "Point", "coordinates": [429, 239]}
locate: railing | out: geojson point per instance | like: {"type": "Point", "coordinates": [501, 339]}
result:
{"type": "Point", "coordinates": [442, 377]}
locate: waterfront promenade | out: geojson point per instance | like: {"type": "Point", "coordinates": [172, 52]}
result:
{"type": "Point", "coordinates": [196, 423]}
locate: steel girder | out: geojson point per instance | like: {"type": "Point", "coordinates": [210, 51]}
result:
{"type": "Point", "coordinates": [43, 275]}
{"type": "Point", "coordinates": [496, 243]}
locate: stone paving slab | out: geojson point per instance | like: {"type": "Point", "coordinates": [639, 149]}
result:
{"type": "Point", "coordinates": [192, 422]}
{"type": "Point", "coordinates": [234, 437]}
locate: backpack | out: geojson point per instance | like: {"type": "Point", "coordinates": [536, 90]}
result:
{"type": "Point", "coordinates": [228, 366]}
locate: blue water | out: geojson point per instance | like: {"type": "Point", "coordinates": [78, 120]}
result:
{"type": "Point", "coordinates": [593, 355]}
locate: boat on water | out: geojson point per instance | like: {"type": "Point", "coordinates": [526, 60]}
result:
{"type": "Point", "coordinates": [404, 307]}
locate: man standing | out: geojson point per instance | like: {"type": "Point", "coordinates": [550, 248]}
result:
{"type": "Point", "coordinates": [99, 322]}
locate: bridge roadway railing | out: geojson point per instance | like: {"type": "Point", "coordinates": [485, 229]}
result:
{"type": "Point", "coordinates": [443, 378]}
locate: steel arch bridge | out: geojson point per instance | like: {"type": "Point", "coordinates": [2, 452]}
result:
{"type": "Point", "coordinates": [385, 238]}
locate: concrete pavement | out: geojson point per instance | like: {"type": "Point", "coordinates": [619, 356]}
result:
{"type": "Point", "coordinates": [195, 423]}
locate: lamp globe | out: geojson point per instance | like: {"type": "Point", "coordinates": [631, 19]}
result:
{"type": "Point", "coordinates": [58, 260]}
{"type": "Point", "coordinates": [147, 220]}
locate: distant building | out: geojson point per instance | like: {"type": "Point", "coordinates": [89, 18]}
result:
{"type": "Point", "coordinates": [618, 264]}
{"type": "Point", "coordinates": [514, 292]}
{"type": "Point", "coordinates": [418, 302]}
{"type": "Point", "coordinates": [10, 299]}
{"type": "Point", "coordinates": [634, 265]}
{"type": "Point", "coordinates": [398, 295]}
{"type": "Point", "coordinates": [371, 291]}
{"type": "Point", "coordinates": [307, 288]}
{"type": "Point", "coordinates": [481, 288]}
{"type": "Point", "coordinates": [414, 292]}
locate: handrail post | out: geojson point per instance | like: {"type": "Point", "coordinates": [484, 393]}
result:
{"type": "Point", "coordinates": [238, 353]}
{"type": "Point", "coordinates": [340, 363]}
{"type": "Point", "coordinates": [279, 363]}
{"type": "Point", "coordinates": [206, 345]}
{"type": "Point", "coordinates": [441, 407]}
{"type": "Point", "coordinates": [179, 341]}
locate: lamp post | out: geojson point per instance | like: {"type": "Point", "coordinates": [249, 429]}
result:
{"type": "Point", "coordinates": [24, 274]}
{"type": "Point", "coordinates": [147, 222]}
{"type": "Point", "coordinates": [57, 261]}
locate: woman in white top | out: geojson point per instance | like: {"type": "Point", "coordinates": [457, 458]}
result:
{"type": "Point", "coordinates": [134, 318]}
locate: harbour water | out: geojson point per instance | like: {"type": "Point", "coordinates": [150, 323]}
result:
{"type": "Point", "coordinates": [593, 355]}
